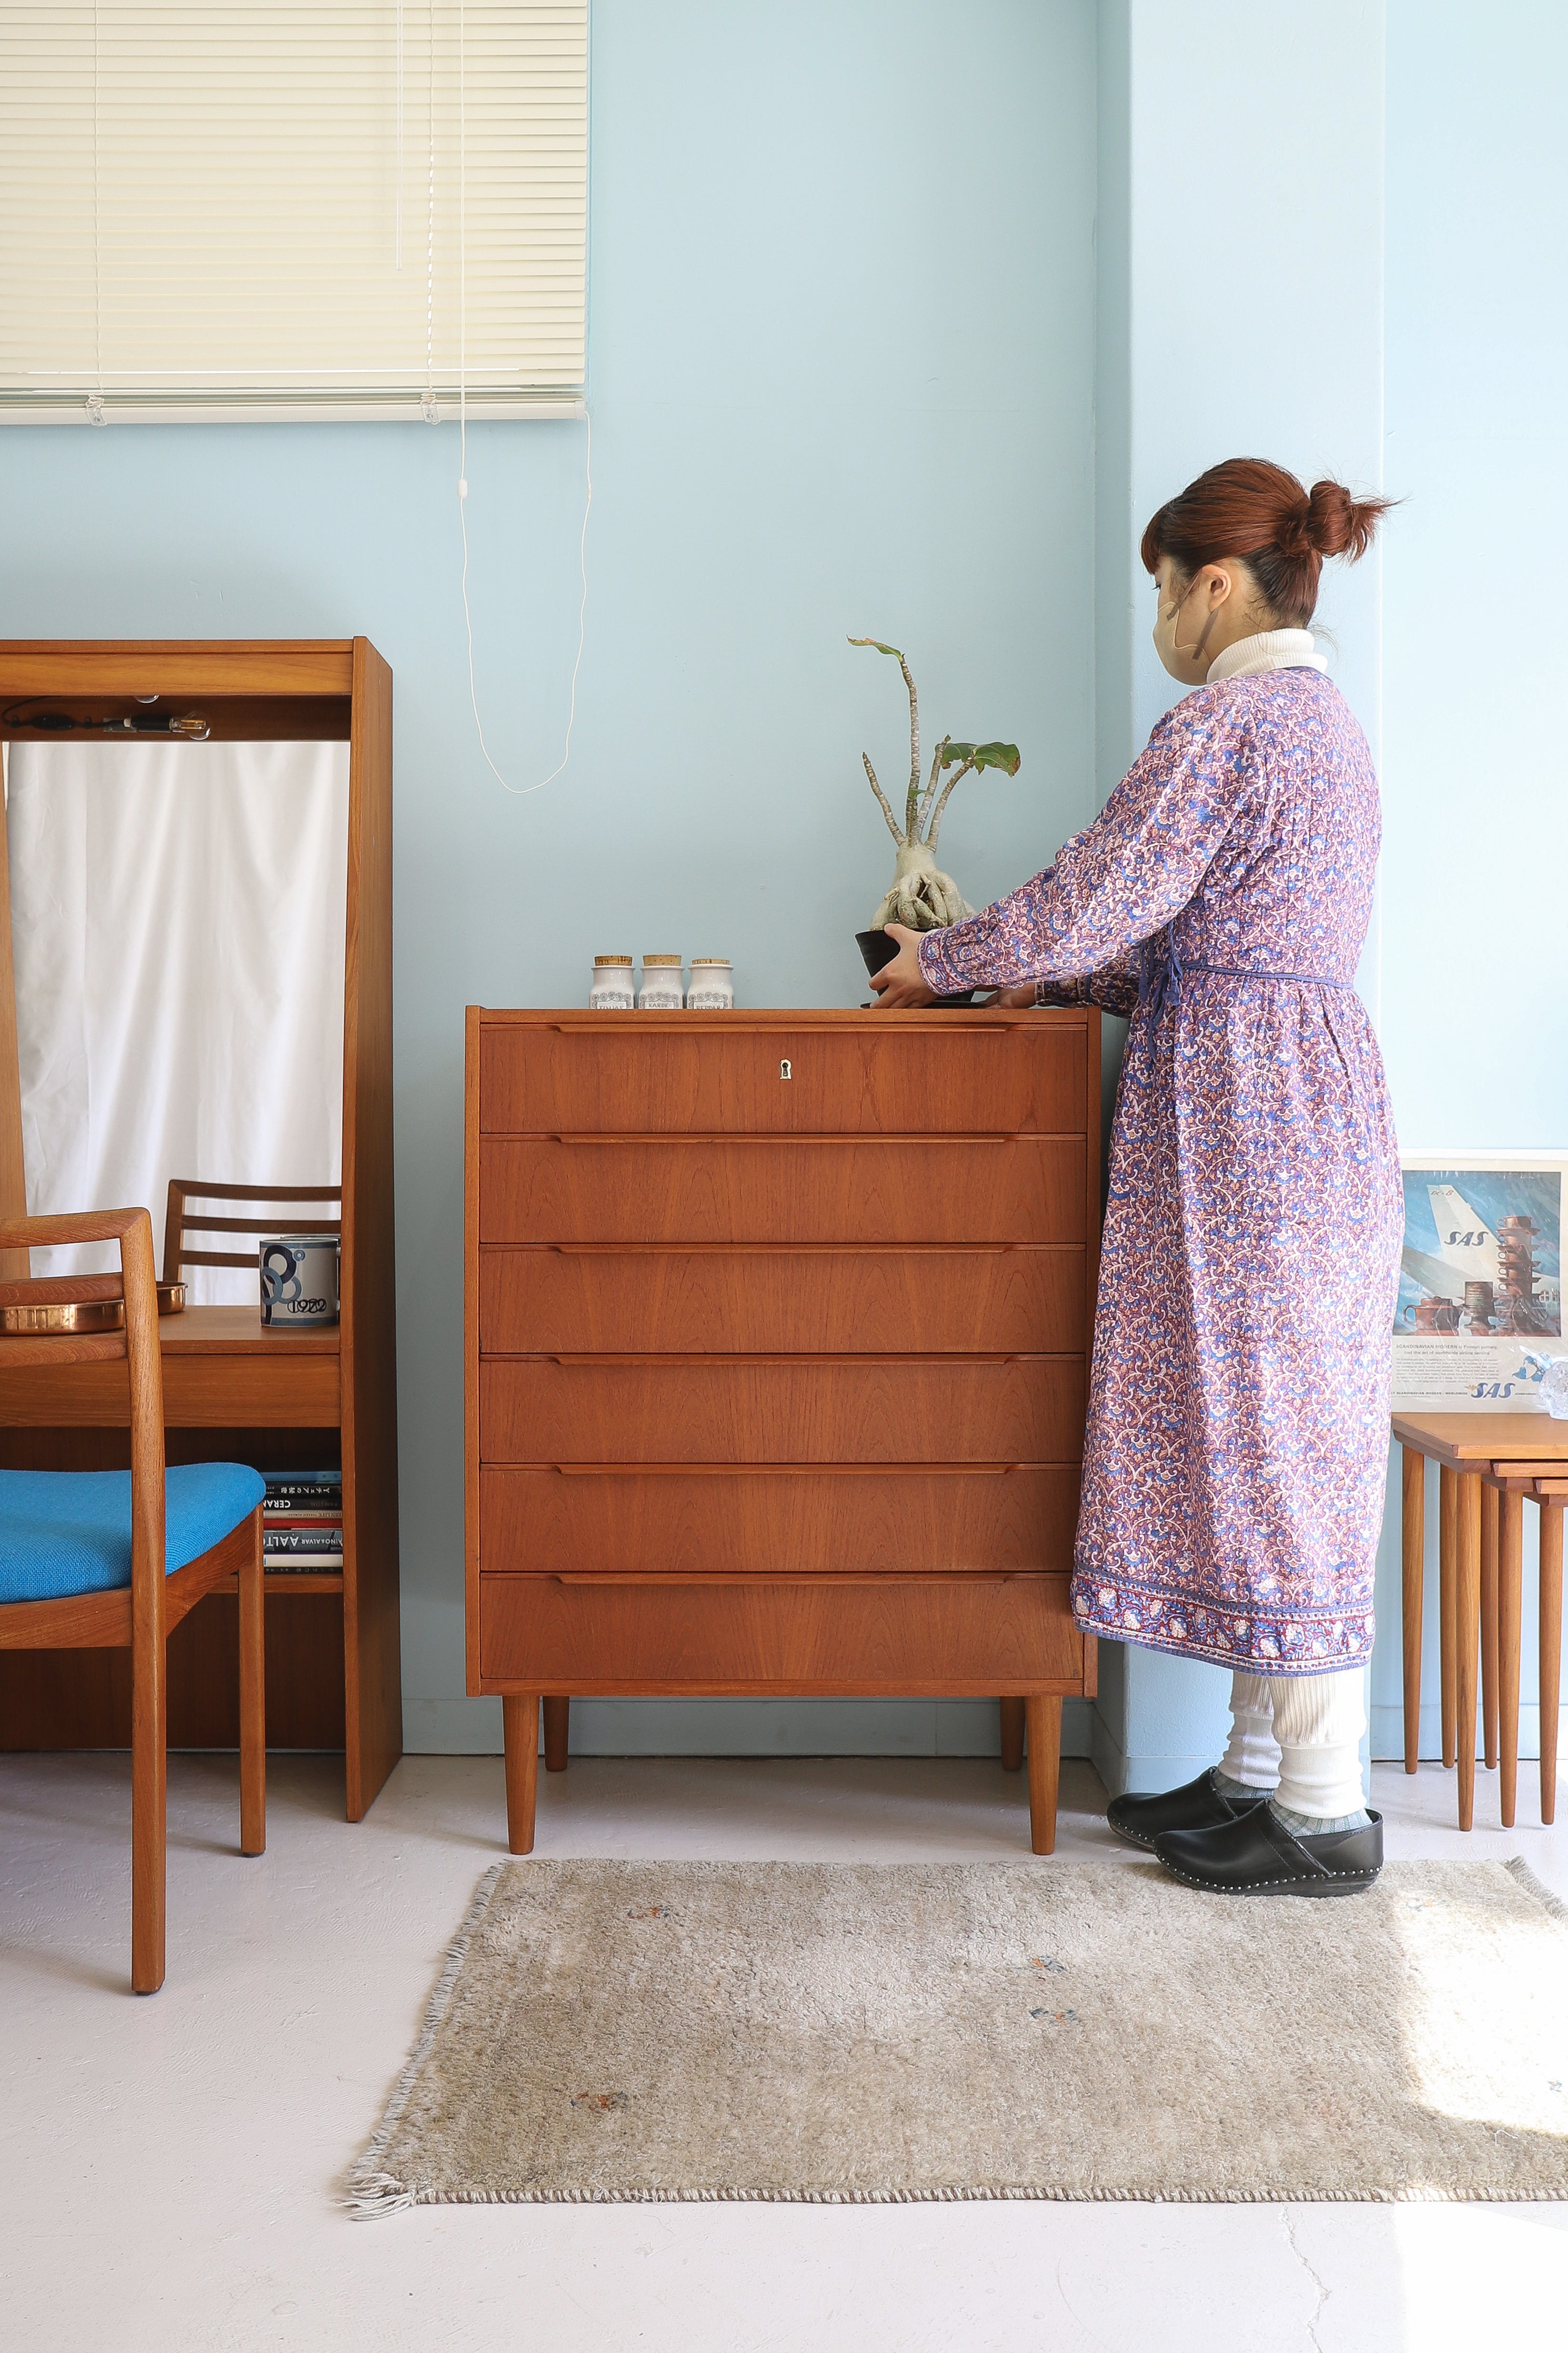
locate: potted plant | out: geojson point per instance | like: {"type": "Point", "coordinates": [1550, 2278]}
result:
{"type": "Point", "coordinates": [921, 896]}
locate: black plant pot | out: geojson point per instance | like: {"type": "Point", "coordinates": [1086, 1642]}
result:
{"type": "Point", "coordinates": [877, 950]}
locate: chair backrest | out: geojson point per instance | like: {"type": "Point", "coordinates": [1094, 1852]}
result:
{"type": "Point", "coordinates": [180, 1221]}
{"type": "Point", "coordinates": [136, 1340]}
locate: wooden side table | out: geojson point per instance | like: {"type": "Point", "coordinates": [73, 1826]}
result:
{"type": "Point", "coordinates": [1489, 1465]}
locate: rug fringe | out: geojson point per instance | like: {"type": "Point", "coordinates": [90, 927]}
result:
{"type": "Point", "coordinates": [396, 2198]}
{"type": "Point", "coordinates": [1551, 1903]}
{"type": "Point", "coordinates": [368, 2190]}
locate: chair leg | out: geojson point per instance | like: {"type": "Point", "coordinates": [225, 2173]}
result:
{"type": "Point", "coordinates": [520, 1726]}
{"type": "Point", "coordinates": [1012, 1734]}
{"type": "Point", "coordinates": [1043, 1719]}
{"type": "Point", "coordinates": [149, 1815]}
{"type": "Point", "coordinates": [252, 1700]}
{"type": "Point", "coordinates": [1511, 1535]}
{"type": "Point", "coordinates": [1467, 1625]}
{"type": "Point", "coordinates": [1414, 1542]}
{"type": "Point", "coordinates": [557, 1734]}
{"type": "Point", "coordinates": [1448, 1538]}
{"type": "Point", "coordinates": [1488, 1624]}
{"type": "Point", "coordinates": [1550, 1649]}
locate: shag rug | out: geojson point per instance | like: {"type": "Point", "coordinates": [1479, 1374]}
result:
{"type": "Point", "coordinates": [628, 2031]}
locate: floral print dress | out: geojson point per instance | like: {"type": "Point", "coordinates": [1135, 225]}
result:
{"type": "Point", "coordinates": [1238, 1438]}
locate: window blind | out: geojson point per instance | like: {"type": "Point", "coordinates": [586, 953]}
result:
{"type": "Point", "coordinates": [308, 208]}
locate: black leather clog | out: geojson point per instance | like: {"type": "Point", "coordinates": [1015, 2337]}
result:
{"type": "Point", "coordinates": [1257, 1855]}
{"type": "Point", "coordinates": [1197, 1804]}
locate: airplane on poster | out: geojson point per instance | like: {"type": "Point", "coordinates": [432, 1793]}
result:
{"type": "Point", "coordinates": [1468, 1252]}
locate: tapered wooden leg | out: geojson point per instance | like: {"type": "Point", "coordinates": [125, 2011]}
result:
{"type": "Point", "coordinates": [1488, 1623]}
{"type": "Point", "coordinates": [148, 1814]}
{"type": "Point", "coordinates": [1511, 1542]}
{"type": "Point", "coordinates": [520, 1726]}
{"type": "Point", "coordinates": [1043, 1722]}
{"type": "Point", "coordinates": [252, 1701]}
{"type": "Point", "coordinates": [1466, 1630]}
{"type": "Point", "coordinates": [557, 1734]}
{"type": "Point", "coordinates": [1012, 1734]}
{"type": "Point", "coordinates": [1550, 1649]}
{"type": "Point", "coordinates": [1448, 1583]}
{"type": "Point", "coordinates": [1412, 1527]}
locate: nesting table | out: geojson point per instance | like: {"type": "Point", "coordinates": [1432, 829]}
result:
{"type": "Point", "coordinates": [1488, 1463]}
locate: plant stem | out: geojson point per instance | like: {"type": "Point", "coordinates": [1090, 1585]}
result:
{"type": "Point", "coordinates": [947, 791]}
{"type": "Point", "coordinates": [881, 796]}
{"type": "Point", "coordinates": [931, 788]}
{"type": "Point", "coordinates": [913, 794]}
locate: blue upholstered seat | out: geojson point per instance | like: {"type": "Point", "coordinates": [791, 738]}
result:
{"type": "Point", "coordinates": [64, 1532]}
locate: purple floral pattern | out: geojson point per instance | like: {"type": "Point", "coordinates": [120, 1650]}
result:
{"type": "Point", "coordinates": [1237, 1440]}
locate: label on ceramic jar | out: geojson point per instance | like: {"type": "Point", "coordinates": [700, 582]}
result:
{"type": "Point", "coordinates": [298, 1280]}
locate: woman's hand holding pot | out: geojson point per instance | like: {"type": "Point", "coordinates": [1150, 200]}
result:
{"type": "Point", "coordinates": [902, 982]}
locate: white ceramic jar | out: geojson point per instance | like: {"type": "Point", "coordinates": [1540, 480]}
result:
{"type": "Point", "coordinates": [661, 990]}
{"type": "Point", "coordinates": [612, 991]}
{"type": "Point", "coordinates": [712, 988]}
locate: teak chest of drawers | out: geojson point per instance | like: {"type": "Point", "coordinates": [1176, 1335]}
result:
{"type": "Point", "coordinates": [776, 1336]}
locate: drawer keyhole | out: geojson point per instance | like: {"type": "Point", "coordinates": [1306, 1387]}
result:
{"type": "Point", "coordinates": [785, 1070]}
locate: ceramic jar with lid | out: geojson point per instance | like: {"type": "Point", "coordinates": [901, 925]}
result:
{"type": "Point", "coordinates": [612, 990]}
{"type": "Point", "coordinates": [712, 988]}
{"type": "Point", "coordinates": [661, 990]}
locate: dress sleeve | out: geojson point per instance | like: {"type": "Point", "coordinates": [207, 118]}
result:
{"type": "Point", "coordinates": [1120, 881]}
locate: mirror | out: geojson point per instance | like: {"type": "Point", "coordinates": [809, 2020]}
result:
{"type": "Point", "coordinates": [177, 914]}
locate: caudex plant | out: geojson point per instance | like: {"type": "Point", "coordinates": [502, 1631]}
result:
{"type": "Point", "coordinates": [922, 896]}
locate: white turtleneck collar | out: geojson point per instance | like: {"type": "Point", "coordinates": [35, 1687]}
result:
{"type": "Point", "coordinates": [1269, 649]}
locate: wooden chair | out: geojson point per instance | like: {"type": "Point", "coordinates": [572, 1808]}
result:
{"type": "Point", "coordinates": [179, 1221]}
{"type": "Point", "coordinates": [93, 1560]}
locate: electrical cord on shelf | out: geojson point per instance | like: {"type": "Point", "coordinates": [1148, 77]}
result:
{"type": "Point", "coordinates": [189, 725]}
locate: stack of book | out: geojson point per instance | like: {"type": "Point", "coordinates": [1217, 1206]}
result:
{"type": "Point", "coordinates": [302, 1523]}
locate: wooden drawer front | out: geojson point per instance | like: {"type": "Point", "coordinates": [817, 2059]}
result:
{"type": "Point", "coordinates": [765, 1523]}
{"type": "Point", "coordinates": [587, 1409]}
{"type": "Point", "coordinates": [950, 1638]}
{"type": "Point", "coordinates": [999, 1189]}
{"type": "Point", "coordinates": [973, 1079]}
{"type": "Point", "coordinates": [833, 1303]}
{"type": "Point", "coordinates": [200, 1392]}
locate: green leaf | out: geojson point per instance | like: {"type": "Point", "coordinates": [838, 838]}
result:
{"type": "Point", "coordinates": [954, 754]}
{"type": "Point", "coordinates": [881, 648]}
{"type": "Point", "coordinates": [998, 756]}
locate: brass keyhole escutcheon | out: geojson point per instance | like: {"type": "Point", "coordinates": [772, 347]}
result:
{"type": "Point", "coordinates": [785, 1070]}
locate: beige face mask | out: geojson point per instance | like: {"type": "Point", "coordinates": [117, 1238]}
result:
{"type": "Point", "coordinates": [1195, 651]}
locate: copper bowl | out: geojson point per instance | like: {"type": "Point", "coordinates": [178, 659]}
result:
{"type": "Point", "coordinates": [55, 1304]}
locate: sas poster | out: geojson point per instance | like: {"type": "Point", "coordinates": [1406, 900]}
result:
{"type": "Point", "coordinates": [1480, 1310]}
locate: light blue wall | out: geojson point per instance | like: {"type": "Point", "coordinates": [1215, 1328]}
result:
{"type": "Point", "coordinates": [1475, 774]}
{"type": "Point", "coordinates": [844, 346]}
{"type": "Point", "coordinates": [841, 346]}
{"type": "Point", "coordinates": [1241, 313]}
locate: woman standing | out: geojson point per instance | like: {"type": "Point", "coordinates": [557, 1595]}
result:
{"type": "Point", "coordinates": [1238, 1437]}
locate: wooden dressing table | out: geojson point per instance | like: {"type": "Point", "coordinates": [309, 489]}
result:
{"type": "Point", "coordinates": [233, 1391]}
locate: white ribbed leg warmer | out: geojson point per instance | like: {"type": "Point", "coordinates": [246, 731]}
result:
{"type": "Point", "coordinates": [1319, 1721]}
{"type": "Point", "coordinates": [1299, 1737]}
{"type": "Point", "coordinates": [1252, 1759]}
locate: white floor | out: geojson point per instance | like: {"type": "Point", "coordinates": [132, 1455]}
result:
{"type": "Point", "coordinates": [168, 2167]}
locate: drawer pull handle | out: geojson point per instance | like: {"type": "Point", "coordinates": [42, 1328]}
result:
{"type": "Point", "coordinates": [888, 1470]}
